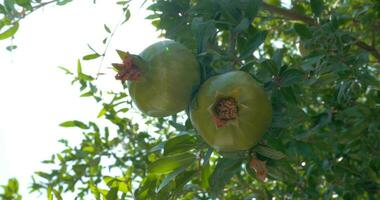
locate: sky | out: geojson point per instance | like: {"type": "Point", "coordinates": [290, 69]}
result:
{"type": "Point", "coordinates": [36, 96]}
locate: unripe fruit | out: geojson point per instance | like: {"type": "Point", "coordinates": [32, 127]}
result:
{"type": "Point", "coordinates": [161, 79]}
{"type": "Point", "coordinates": [231, 112]}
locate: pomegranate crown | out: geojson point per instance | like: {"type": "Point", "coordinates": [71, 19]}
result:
{"type": "Point", "coordinates": [128, 69]}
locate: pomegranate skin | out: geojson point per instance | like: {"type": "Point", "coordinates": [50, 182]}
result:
{"type": "Point", "coordinates": [170, 74]}
{"type": "Point", "coordinates": [248, 121]}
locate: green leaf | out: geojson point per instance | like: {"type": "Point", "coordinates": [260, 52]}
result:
{"type": "Point", "coordinates": [44, 175]}
{"type": "Point", "coordinates": [23, 3]}
{"type": "Point", "coordinates": [127, 15]}
{"type": "Point", "coordinates": [146, 188]}
{"type": "Point", "coordinates": [9, 32]}
{"type": "Point", "coordinates": [79, 169]}
{"type": "Point", "coordinates": [63, 2]}
{"type": "Point", "coordinates": [87, 94]}
{"type": "Point", "coordinates": [250, 8]}
{"type": "Point", "coordinates": [152, 16]}
{"type": "Point", "coordinates": [79, 68]}
{"type": "Point", "coordinates": [82, 77]}
{"type": "Point", "coordinates": [170, 177]}
{"type": "Point", "coordinates": [182, 179]}
{"type": "Point", "coordinates": [123, 110]}
{"type": "Point", "coordinates": [278, 57]}
{"type": "Point", "coordinates": [269, 152]}
{"type": "Point", "coordinates": [112, 194]}
{"type": "Point", "coordinates": [179, 144]}
{"type": "Point", "coordinates": [223, 172]}
{"type": "Point", "coordinates": [107, 29]}
{"type": "Point", "coordinates": [169, 163]}
{"type": "Point", "coordinates": [281, 170]}
{"type": "Point", "coordinates": [2, 10]}
{"type": "Point", "coordinates": [49, 193]}
{"type": "Point", "coordinates": [102, 112]}
{"type": "Point", "coordinates": [108, 180]}
{"type": "Point", "coordinates": [177, 126]}
{"type": "Point", "coordinates": [74, 123]}
{"type": "Point", "coordinates": [203, 31]}
{"type": "Point", "coordinates": [243, 25]}
{"type": "Point", "coordinates": [270, 66]}
{"type": "Point", "coordinates": [290, 77]}
{"type": "Point", "coordinates": [57, 194]}
{"type": "Point", "coordinates": [13, 185]}
{"type": "Point", "coordinates": [122, 2]}
{"type": "Point", "coordinates": [253, 43]}
{"type": "Point", "coordinates": [11, 47]}
{"type": "Point", "coordinates": [205, 175]}
{"type": "Point", "coordinates": [65, 70]}
{"type": "Point", "coordinates": [125, 186]}
{"type": "Point", "coordinates": [316, 6]}
{"type": "Point", "coordinates": [303, 31]}
{"type": "Point", "coordinates": [236, 155]}
{"type": "Point", "coordinates": [88, 149]}
{"type": "Point", "coordinates": [9, 5]}
{"type": "Point", "coordinates": [91, 56]}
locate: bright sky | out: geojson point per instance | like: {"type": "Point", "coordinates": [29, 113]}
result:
{"type": "Point", "coordinates": [36, 96]}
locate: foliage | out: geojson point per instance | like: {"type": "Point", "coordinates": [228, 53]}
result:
{"type": "Point", "coordinates": [10, 191]}
{"type": "Point", "coordinates": [324, 139]}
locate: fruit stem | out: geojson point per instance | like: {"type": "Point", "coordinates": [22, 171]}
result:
{"type": "Point", "coordinates": [128, 70]}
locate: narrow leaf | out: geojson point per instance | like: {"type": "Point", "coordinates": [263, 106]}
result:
{"type": "Point", "coordinates": [224, 170]}
{"type": "Point", "coordinates": [91, 56]}
{"type": "Point", "coordinates": [256, 40]}
{"type": "Point", "coordinates": [303, 31]}
{"type": "Point", "coordinates": [74, 123]}
{"type": "Point", "coordinates": [316, 6]}
{"type": "Point", "coordinates": [127, 15]}
{"type": "Point", "coordinates": [179, 144]}
{"type": "Point", "coordinates": [269, 152]}
{"type": "Point", "coordinates": [9, 32]}
{"type": "Point", "coordinates": [107, 29]}
{"type": "Point", "coordinates": [291, 77]}
{"type": "Point", "coordinates": [112, 194]}
{"type": "Point", "coordinates": [170, 177]}
{"type": "Point", "coordinates": [169, 163]}
{"type": "Point", "coordinates": [243, 25]}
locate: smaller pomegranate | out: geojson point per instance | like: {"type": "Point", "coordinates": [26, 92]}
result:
{"type": "Point", "coordinates": [231, 112]}
{"type": "Point", "coordinates": [161, 79]}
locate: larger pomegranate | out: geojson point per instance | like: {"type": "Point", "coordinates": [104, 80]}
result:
{"type": "Point", "coordinates": [231, 112]}
{"type": "Point", "coordinates": [161, 79]}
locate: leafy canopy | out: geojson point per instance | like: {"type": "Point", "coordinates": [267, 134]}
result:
{"type": "Point", "coordinates": [324, 141]}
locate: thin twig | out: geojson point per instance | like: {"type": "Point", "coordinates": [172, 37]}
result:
{"type": "Point", "coordinates": [107, 47]}
{"type": "Point", "coordinates": [35, 8]}
{"type": "Point", "coordinates": [370, 49]}
{"type": "Point", "coordinates": [288, 14]}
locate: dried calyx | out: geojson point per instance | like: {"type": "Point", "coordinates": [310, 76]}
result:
{"type": "Point", "coordinates": [128, 70]}
{"type": "Point", "coordinates": [260, 168]}
{"type": "Point", "coordinates": [224, 110]}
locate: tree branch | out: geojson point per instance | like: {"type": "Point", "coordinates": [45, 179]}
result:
{"type": "Point", "coordinates": [308, 20]}
{"type": "Point", "coordinates": [369, 48]}
{"type": "Point", "coordinates": [288, 14]}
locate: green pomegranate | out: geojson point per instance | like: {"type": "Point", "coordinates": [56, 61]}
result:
{"type": "Point", "coordinates": [231, 112]}
{"type": "Point", "coordinates": [161, 79]}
